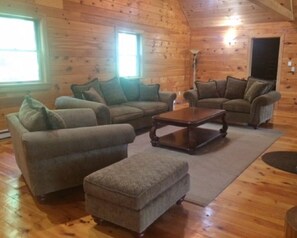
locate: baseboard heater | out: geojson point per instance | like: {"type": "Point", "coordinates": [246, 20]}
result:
{"type": "Point", "coordinates": [4, 134]}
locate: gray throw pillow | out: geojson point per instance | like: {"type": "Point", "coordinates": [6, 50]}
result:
{"type": "Point", "coordinates": [32, 115]}
{"type": "Point", "coordinates": [235, 88]}
{"type": "Point", "coordinates": [206, 89]}
{"type": "Point", "coordinates": [93, 95]}
{"type": "Point", "coordinates": [55, 121]}
{"type": "Point", "coordinates": [254, 91]}
{"type": "Point", "coordinates": [78, 89]}
{"type": "Point", "coordinates": [112, 92]}
{"type": "Point", "coordinates": [130, 88]}
{"type": "Point", "coordinates": [149, 92]}
{"type": "Point", "coordinates": [269, 84]}
{"type": "Point", "coordinates": [35, 116]}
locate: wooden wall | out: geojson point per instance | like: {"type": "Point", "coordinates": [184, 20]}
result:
{"type": "Point", "coordinates": [218, 59]}
{"type": "Point", "coordinates": [81, 43]}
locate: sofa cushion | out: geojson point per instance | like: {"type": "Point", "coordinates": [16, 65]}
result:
{"type": "Point", "coordinates": [123, 113]}
{"type": "Point", "coordinates": [130, 88]}
{"type": "Point", "coordinates": [35, 116]}
{"type": "Point", "coordinates": [221, 87]}
{"type": "Point", "coordinates": [78, 89]}
{"type": "Point", "coordinates": [206, 89]}
{"type": "Point", "coordinates": [149, 92]}
{"type": "Point", "coordinates": [237, 105]}
{"type": "Point", "coordinates": [149, 108]}
{"type": "Point", "coordinates": [255, 90]}
{"type": "Point", "coordinates": [93, 95]}
{"type": "Point", "coordinates": [211, 102]}
{"type": "Point", "coordinates": [112, 91]}
{"type": "Point", "coordinates": [235, 88]}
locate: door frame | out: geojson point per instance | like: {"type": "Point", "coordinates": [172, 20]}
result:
{"type": "Point", "coordinates": [280, 54]}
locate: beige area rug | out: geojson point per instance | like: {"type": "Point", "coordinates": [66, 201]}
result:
{"type": "Point", "coordinates": [217, 164]}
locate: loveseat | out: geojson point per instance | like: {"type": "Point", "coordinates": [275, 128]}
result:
{"type": "Point", "coordinates": [248, 101]}
{"type": "Point", "coordinates": [56, 149]}
{"type": "Point", "coordinates": [119, 101]}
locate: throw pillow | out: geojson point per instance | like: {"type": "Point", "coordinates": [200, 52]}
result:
{"type": "Point", "coordinates": [254, 91]}
{"type": "Point", "coordinates": [149, 92]}
{"type": "Point", "coordinates": [235, 88]}
{"type": "Point", "coordinates": [78, 89]}
{"type": "Point", "coordinates": [206, 89]}
{"type": "Point", "coordinates": [93, 95]}
{"type": "Point", "coordinates": [112, 92]}
{"type": "Point", "coordinates": [32, 115]}
{"type": "Point", "coordinates": [130, 88]}
{"type": "Point", "coordinates": [270, 85]}
{"type": "Point", "coordinates": [37, 117]}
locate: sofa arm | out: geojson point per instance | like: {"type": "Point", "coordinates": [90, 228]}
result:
{"type": "Point", "coordinates": [168, 97]}
{"type": "Point", "coordinates": [266, 99]}
{"type": "Point", "coordinates": [191, 97]}
{"type": "Point", "coordinates": [101, 110]}
{"type": "Point", "coordinates": [41, 145]}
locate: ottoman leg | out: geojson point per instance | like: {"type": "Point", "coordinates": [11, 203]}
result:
{"type": "Point", "coordinates": [179, 202]}
{"type": "Point", "coordinates": [140, 235]}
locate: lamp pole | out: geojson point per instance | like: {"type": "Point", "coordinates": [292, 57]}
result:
{"type": "Point", "coordinates": [195, 53]}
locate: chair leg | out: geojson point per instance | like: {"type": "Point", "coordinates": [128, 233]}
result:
{"type": "Point", "coordinates": [179, 202]}
{"type": "Point", "coordinates": [140, 235]}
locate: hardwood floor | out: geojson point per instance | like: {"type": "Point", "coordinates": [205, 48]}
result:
{"type": "Point", "coordinates": [254, 205]}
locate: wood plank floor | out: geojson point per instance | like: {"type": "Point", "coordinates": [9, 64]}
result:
{"type": "Point", "coordinates": [254, 205]}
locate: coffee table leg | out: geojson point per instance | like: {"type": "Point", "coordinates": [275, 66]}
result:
{"type": "Point", "coordinates": [224, 128]}
{"type": "Point", "coordinates": [153, 136]}
{"type": "Point", "coordinates": [191, 139]}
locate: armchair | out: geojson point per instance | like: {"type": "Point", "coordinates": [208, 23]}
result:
{"type": "Point", "coordinates": [53, 160]}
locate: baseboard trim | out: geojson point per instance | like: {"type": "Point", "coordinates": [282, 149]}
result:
{"type": "Point", "coordinates": [4, 134]}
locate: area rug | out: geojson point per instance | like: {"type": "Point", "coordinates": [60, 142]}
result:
{"type": "Point", "coordinates": [213, 167]}
{"type": "Point", "coordinates": [283, 160]}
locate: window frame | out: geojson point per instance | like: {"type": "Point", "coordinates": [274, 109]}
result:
{"type": "Point", "coordinates": [42, 56]}
{"type": "Point", "coordinates": [139, 60]}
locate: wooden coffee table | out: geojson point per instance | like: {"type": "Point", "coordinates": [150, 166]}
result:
{"type": "Point", "coordinates": [191, 137]}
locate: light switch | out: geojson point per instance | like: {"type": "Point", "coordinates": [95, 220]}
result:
{"type": "Point", "coordinates": [293, 69]}
{"type": "Point", "coordinates": [289, 63]}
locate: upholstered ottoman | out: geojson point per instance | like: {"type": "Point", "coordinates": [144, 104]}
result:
{"type": "Point", "coordinates": [134, 192]}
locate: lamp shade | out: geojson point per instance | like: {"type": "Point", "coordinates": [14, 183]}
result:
{"type": "Point", "coordinates": [194, 51]}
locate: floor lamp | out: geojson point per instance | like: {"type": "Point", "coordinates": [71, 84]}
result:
{"type": "Point", "coordinates": [195, 53]}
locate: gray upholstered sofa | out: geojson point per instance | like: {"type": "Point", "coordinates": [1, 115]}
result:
{"type": "Point", "coordinates": [58, 158]}
{"type": "Point", "coordinates": [119, 101]}
{"type": "Point", "coordinates": [249, 101]}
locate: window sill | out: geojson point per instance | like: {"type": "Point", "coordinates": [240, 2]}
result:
{"type": "Point", "coordinates": [28, 87]}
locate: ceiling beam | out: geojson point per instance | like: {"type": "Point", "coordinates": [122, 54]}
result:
{"type": "Point", "coordinates": [274, 6]}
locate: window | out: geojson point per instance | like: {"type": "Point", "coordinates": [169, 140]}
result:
{"type": "Point", "coordinates": [129, 54]}
{"type": "Point", "coordinates": [20, 51]}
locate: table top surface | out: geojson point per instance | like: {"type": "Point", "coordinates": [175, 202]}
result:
{"type": "Point", "coordinates": [190, 115]}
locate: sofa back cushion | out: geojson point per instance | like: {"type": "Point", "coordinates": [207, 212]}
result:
{"type": "Point", "coordinates": [78, 89]}
{"type": "Point", "coordinates": [112, 91]}
{"type": "Point", "coordinates": [130, 88]}
{"type": "Point", "coordinates": [221, 87]}
{"type": "Point", "coordinates": [235, 88]}
{"type": "Point", "coordinates": [149, 92]}
{"type": "Point", "coordinates": [206, 89]}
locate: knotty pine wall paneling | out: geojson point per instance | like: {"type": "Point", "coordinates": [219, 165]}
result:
{"type": "Point", "coordinates": [218, 59]}
{"type": "Point", "coordinates": [81, 43]}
